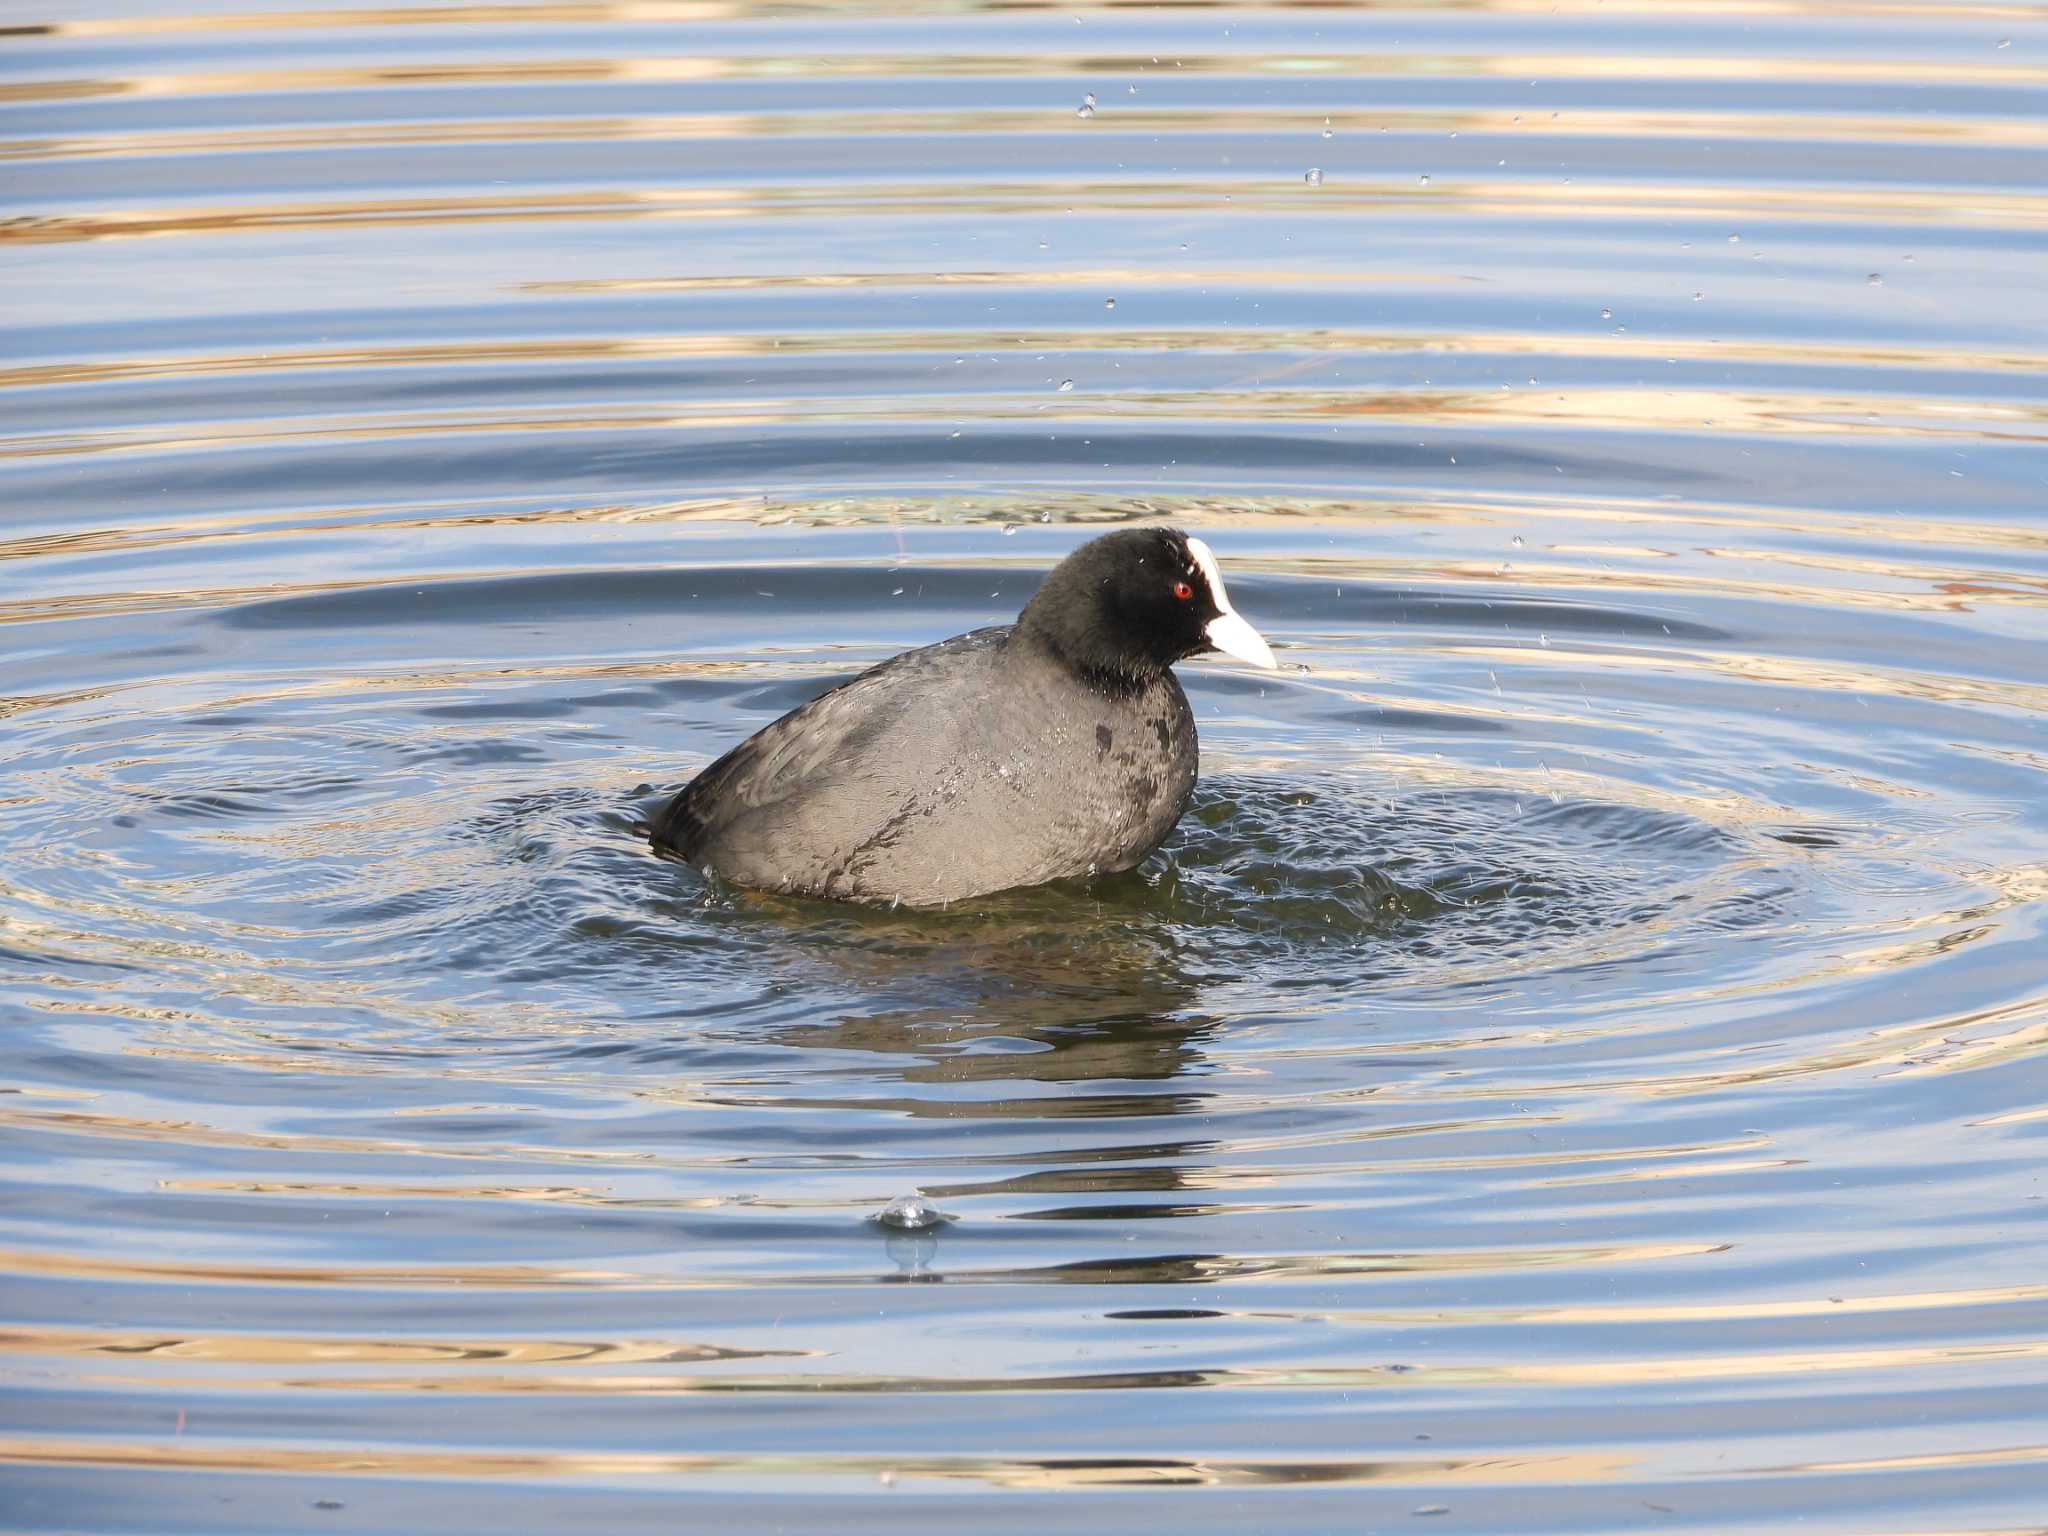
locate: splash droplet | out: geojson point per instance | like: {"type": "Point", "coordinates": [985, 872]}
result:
{"type": "Point", "coordinates": [1313, 176]}
{"type": "Point", "coordinates": [911, 1213]}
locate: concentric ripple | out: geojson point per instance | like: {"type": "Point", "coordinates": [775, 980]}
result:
{"type": "Point", "coordinates": [1577, 1067]}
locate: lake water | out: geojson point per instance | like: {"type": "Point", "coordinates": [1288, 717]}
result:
{"type": "Point", "coordinates": [1581, 1065]}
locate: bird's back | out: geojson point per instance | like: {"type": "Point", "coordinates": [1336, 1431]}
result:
{"type": "Point", "coordinates": [944, 773]}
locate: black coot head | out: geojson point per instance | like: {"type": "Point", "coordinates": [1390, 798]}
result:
{"type": "Point", "coordinates": [1123, 608]}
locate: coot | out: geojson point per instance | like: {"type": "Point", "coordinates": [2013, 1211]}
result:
{"type": "Point", "coordinates": [1059, 745]}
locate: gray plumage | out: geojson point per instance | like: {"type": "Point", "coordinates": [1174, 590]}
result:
{"type": "Point", "coordinates": [1058, 746]}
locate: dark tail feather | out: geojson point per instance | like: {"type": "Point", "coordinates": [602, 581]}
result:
{"type": "Point", "coordinates": [677, 827]}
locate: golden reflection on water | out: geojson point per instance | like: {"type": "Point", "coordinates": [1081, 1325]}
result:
{"type": "Point", "coordinates": [1850, 128]}
{"type": "Point", "coordinates": [1139, 1269]}
{"type": "Point", "coordinates": [1732, 1366]}
{"type": "Point", "coordinates": [952, 343]}
{"type": "Point", "coordinates": [646, 12]}
{"type": "Point", "coordinates": [1906, 72]}
{"type": "Point", "coordinates": [1983, 208]}
{"type": "Point", "coordinates": [1596, 409]}
{"type": "Point", "coordinates": [1073, 1472]}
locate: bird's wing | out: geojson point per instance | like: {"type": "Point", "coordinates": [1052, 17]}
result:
{"type": "Point", "coordinates": [834, 732]}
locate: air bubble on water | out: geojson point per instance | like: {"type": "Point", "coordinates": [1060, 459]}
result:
{"type": "Point", "coordinates": [1087, 107]}
{"type": "Point", "coordinates": [1065, 385]}
{"type": "Point", "coordinates": [1606, 314]}
{"type": "Point", "coordinates": [911, 1213]}
{"type": "Point", "coordinates": [1875, 280]}
{"type": "Point", "coordinates": [1313, 176]}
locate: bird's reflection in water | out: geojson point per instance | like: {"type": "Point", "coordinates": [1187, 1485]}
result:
{"type": "Point", "coordinates": [1057, 985]}
{"type": "Point", "coordinates": [1076, 989]}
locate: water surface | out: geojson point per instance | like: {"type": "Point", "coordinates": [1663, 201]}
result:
{"type": "Point", "coordinates": [1578, 1067]}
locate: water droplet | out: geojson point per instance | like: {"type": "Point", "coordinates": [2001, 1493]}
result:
{"type": "Point", "coordinates": [1008, 529]}
{"type": "Point", "coordinates": [1518, 541]}
{"type": "Point", "coordinates": [1735, 239]}
{"type": "Point", "coordinates": [1907, 260]}
{"type": "Point", "coordinates": [1606, 314]}
{"type": "Point", "coordinates": [1109, 303]}
{"type": "Point", "coordinates": [1313, 176]}
{"type": "Point", "coordinates": [911, 1213]}
{"type": "Point", "coordinates": [2005, 42]}
{"type": "Point", "coordinates": [1326, 128]}
{"type": "Point", "coordinates": [1696, 298]}
{"type": "Point", "coordinates": [1087, 107]}
{"type": "Point", "coordinates": [1423, 180]}
{"type": "Point", "coordinates": [1065, 385]}
{"type": "Point", "coordinates": [1876, 280]}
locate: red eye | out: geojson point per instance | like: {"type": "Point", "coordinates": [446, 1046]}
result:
{"type": "Point", "coordinates": [1183, 591]}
